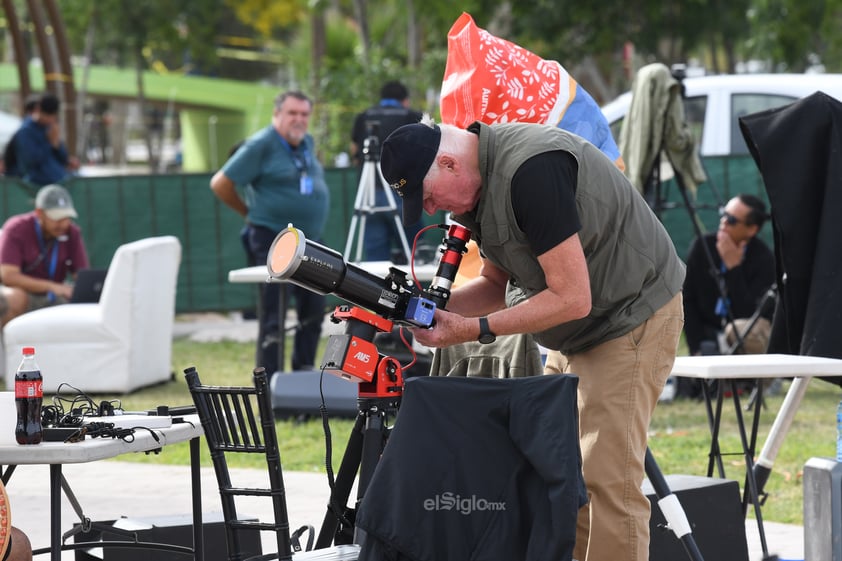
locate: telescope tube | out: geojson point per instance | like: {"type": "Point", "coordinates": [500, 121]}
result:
{"type": "Point", "coordinates": [294, 258]}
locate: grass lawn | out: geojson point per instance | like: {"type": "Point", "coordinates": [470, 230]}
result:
{"type": "Point", "coordinates": [680, 439]}
{"type": "Point", "coordinates": [679, 435]}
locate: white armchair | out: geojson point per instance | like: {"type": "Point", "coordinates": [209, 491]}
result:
{"type": "Point", "coordinates": [117, 345]}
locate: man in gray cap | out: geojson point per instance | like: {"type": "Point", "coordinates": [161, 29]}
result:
{"type": "Point", "coordinates": [39, 252]}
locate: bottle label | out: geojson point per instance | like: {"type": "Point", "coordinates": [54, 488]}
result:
{"type": "Point", "coordinates": [29, 388]}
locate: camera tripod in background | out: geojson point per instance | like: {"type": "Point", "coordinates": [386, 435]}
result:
{"type": "Point", "coordinates": [365, 203]}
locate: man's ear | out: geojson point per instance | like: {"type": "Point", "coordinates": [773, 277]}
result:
{"type": "Point", "coordinates": [448, 162]}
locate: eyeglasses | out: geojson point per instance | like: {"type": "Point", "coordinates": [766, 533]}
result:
{"type": "Point", "coordinates": [730, 219]}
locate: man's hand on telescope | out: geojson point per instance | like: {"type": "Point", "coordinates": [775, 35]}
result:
{"type": "Point", "coordinates": [447, 329]}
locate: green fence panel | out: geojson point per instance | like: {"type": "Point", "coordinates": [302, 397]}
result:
{"type": "Point", "coordinates": [114, 210]}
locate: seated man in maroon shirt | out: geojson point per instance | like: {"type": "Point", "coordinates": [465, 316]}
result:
{"type": "Point", "coordinates": [40, 251]}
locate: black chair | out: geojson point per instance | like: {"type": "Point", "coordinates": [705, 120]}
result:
{"type": "Point", "coordinates": [239, 420]}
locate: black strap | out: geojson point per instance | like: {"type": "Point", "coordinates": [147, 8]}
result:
{"type": "Point", "coordinates": [294, 538]}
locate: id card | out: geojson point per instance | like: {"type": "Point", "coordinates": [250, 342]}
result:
{"type": "Point", "coordinates": [306, 184]}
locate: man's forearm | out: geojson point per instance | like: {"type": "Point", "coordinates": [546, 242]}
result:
{"type": "Point", "coordinates": [225, 191]}
{"type": "Point", "coordinates": [477, 297]}
{"type": "Point", "coordinates": [28, 283]}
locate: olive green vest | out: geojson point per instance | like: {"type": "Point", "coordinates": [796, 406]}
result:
{"type": "Point", "coordinates": [631, 260]}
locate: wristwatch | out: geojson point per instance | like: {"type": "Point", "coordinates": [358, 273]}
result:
{"type": "Point", "coordinates": [485, 334]}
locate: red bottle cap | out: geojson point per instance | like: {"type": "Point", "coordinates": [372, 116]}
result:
{"type": "Point", "coordinates": [29, 350]}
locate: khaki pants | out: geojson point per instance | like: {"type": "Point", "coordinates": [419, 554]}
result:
{"type": "Point", "coordinates": [619, 384]}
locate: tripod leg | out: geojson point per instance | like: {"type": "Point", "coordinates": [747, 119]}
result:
{"type": "Point", "coordinates": [344, 482]}
{"type": "Point", "coordinates": [374, 439]}
{"type": "Point", "coordinates": [671, 508]}
{"type": "Point", "coordinates": [365, 445]}
{"type": "Point", "coordinates": [783, 420]}
{"type": "Point", "coordinates": [349, 243]}
{"type": "Point", "coordinates": [363, 206]}
{"type": "Point", "coordinates": [390, 197]}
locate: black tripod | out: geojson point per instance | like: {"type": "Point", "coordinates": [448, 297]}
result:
{"type": "Point", "coordinates": [379, 397]}
{"type": "Point", "coordinates": [652, 193]}
{"type": "Point", "coordinates": [671, 509]}
{"type": "Point", "coordinates": [654, 196]}
{"type": "Point", "coordinates": [737, 334]}
{"type": "Point", "coordinates": [365, 204]}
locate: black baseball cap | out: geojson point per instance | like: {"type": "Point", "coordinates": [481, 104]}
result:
{"type": "Point", "coordinates": [405, 159]}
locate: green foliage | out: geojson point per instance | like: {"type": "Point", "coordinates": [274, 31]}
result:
{"type": "Point", "coordinates": [167, 33]}
{"type": "Point", "coordinates": [788, 33]}
{"type": "Point", "coordinates": [680, 441]}
{"type": "Point", "coordinates": [266, 17]}
{"type": "Point", "coordinates": [316, 45]}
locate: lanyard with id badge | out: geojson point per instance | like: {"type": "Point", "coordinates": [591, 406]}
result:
{"type": "Point", "coordinates": [300, 158]}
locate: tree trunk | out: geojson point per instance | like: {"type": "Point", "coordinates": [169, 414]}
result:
{"type": "Point", "coordinates": [19, 52]}
{"type": "Point", "coordinates": [714, 55]}
{"type": "Point", "coordinates": [141, 100]}
{"type": "Point", "coordinates": [69, 108]}
{"type": "Point", "coordinates": [84, 128]}
{"type": "Point", "coordinates": [319, 48]}
{"type": "Point", "coordinates": [361, 13]}
{"type": "Point", "coordinates": [413, 36]}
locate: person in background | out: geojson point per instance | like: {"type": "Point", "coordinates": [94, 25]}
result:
{"type": "Point", "coordinates": [40, 252]}
{"type": "Point", "coordinates": [41, 155]}
{"type": "Point", "coordinates": [590, 271]}
{"type": "Point", "coordinates": [10, 158]}
{"type": "Point", "coordinates": [729, 272]}
{"type": "Point", "coordinates": [284, 184]}
{"type": "Point", "coordinates": [743, 267]}
{"type": "Point", "coordinates": [382, 242]}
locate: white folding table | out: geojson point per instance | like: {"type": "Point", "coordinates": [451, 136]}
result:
{"type": "Point", "coordinates": [730, 369]}
{"type": "Point", "coordinates": [56, 454]}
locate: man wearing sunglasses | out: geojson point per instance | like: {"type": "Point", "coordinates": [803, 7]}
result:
{"type": "Point", "coordinates": [728, 274]}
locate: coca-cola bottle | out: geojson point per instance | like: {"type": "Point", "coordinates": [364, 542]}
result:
{"type": "Point", "coordinates": [28, 397]}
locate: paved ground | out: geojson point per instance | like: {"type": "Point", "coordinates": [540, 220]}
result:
{"type": "Point", "coordinates": [113, 489]}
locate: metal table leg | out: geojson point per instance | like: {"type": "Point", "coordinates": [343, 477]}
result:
{"type": "Point", "coordinates": [196, 485]}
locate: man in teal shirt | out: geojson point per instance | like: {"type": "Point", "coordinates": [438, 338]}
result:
{"type": "Point", "coordinates": [284, 184]}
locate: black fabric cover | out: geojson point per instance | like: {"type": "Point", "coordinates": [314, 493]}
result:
{"type": "Point", "coordinates": [798, 149]}
{"type": "Point", "coordinates": [460, 448]}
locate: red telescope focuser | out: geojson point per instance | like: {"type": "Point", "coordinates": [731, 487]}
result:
{"type": "Point", "coordinates": [453, 247]}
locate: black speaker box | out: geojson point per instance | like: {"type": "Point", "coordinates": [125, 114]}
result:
{"type": "Point", "coordinates": [297, 394]}
{"type": "Point", "coordinates": [714, 510]}
{"type": "Point", "coordinates": [174, 530]}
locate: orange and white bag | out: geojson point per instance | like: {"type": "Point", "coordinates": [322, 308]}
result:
{"type": "Point", "coordinates": [492, 80]}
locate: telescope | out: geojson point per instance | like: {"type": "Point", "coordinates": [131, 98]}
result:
{"type": "Point", "coordinates": [293, 258]}
{"type": "Point", "coordinates": [396, 299]}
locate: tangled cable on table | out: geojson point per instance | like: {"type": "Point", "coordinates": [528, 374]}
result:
{"type": "Point", "coordinates": [71, 413]}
